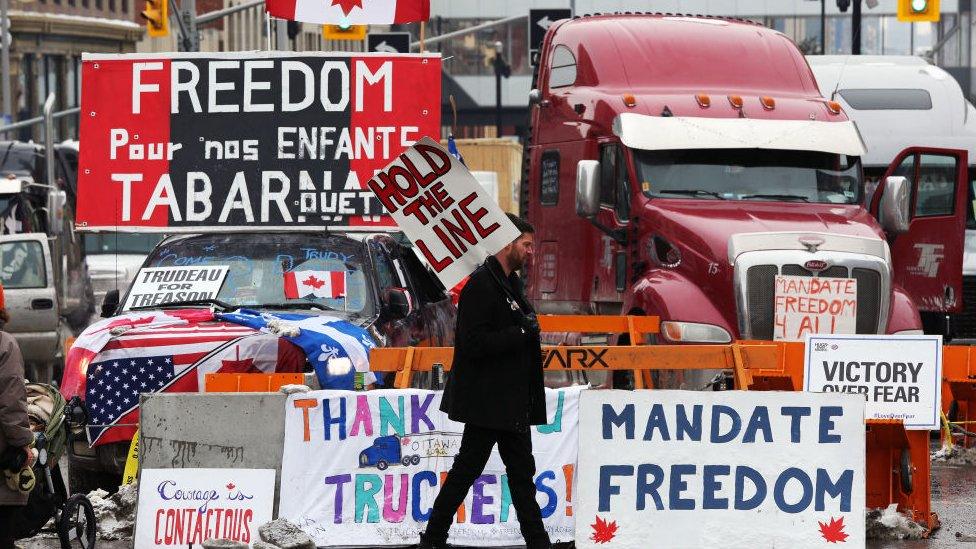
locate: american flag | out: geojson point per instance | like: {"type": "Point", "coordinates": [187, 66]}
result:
{"type": "Point", "coordinates": [172, 359]}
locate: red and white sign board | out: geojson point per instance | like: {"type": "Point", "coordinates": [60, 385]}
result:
{"type": "Point", "coordinates": [185, 507]}
{"type": "Point", "coordinates": [351, 12]}
{"type": "Point", "coordinates": [813, 305]}
{"type": "Point", "coordinates": [184, 142]}
{"type": "Point", "coordinates": [443, 210]}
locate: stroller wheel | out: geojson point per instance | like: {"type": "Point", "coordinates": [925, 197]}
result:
{"type": "Point", "coordinates": [76, 525]}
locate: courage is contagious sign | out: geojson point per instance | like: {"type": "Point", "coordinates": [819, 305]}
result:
{"type": "Point", "coordinates": [181, 142]}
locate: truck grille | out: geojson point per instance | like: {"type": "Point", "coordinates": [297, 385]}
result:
{"type": "Point", "coordinates": [964, 323]}
{"type": "Point", "coordinates": [760, 294]}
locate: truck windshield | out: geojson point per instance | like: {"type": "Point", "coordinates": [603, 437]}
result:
{"type": "Point", "coordinates": [22, 265]}
{"type": "Point", "coordinates": [277, 271]}
{"type": "Point", "coordinates": [120, 243]}
{"type": "Point", "coordinates": [750, 174]}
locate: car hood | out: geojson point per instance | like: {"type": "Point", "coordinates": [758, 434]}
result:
{"type": "Point", "coordinates": [704, 227]}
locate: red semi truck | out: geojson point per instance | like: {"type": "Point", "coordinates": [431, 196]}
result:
{"type": "Point", "coordinates": [689, 168]}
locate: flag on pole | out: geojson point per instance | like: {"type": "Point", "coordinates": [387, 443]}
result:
{"type": "Point", "coordinates": [351, 12]}
{"type": "Point", "coordinates": [321, 284]}
{"type": "Point", "coordinates": [453, 150]}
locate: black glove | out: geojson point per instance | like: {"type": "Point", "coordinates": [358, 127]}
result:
{"type": "Point", "coordinates": [531, 325]}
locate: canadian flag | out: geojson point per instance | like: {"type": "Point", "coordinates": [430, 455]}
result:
{"type": "Point", "coordinates": [351, 12]}
{"type": "Point", "coordinates": [323, 284]}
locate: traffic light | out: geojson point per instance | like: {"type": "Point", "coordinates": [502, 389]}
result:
{"type": "Point", "coordinates": [156, 15]}
{"type": "Point", "coordinates": [917, 11]}
{"type": "Point", "coordinates": [344, 32]}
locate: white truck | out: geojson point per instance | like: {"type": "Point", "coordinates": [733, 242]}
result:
{"type": "Point", "coordinates": [899, 101]}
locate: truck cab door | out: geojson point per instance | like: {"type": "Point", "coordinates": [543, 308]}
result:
{"type": "Point", "coordinates": [927, 257]}
{"type": "Point", "coordinates": [615, 197]}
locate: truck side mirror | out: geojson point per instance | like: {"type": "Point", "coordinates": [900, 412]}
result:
{"type": "Point", "coordinates": [587, 188]}
{"type": "Point", "coordinates": [397, 303]}
{"type": "Point", "coordinates": [895, 203]}
{"type": "Point", "coordinates": [56, 201]}
{"type": "Point", "coordinates": [110, 303]}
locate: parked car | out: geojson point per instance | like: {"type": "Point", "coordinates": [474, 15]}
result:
{"type": "Point", "coordinates": [388, 291]}
{"type": "Point", "coordinates": [114, 258]}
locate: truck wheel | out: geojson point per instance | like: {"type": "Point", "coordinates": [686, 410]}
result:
{"type": "Point", "coordinates": [414, 459]}
{"type": "Point", "coordinates": [907, 482]}
{"type": "Point", "coordinates": [405, 461]}
{"type": "Point", "coordinates": [382, 465]}
{"type": "Point", "coordinates": [83, 481]}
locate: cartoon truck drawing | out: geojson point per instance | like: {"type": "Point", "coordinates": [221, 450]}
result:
{"type": "Point", "coordinates": [392, 449]}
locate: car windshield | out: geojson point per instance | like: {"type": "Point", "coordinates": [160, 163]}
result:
{"type": "Point", "coordinates": [121, 243]}
{"type": "Point", "coordinates": [298, 271]}
{"type": "Point", "coordinates": [18, 159]}
{"type": "Point", "coordinates": [750, 174]}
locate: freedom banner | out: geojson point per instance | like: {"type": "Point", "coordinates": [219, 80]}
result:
{"type": "Point", "coordinates": [185, 507]}
{"type": "Point", "coordinates": [365, 468]}
{"type": "Point", "coordinates": [720, 469]}
{"type": "Point", "coordinates": [229, 141]}
{"type": "Point", "coordinates": [443, 210]}
{"type": "Point", "coordinates": [899, 376]}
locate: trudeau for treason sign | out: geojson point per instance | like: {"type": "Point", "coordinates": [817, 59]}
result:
{"type": "Point", "coordinates": [180, 142]}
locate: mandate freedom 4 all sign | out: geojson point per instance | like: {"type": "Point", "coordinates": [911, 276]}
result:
{"type": "Point", "coordinates": [900, 376]}
{"type": "Point", "coordinates": [179, 142]}
{"type": "Point", "coordinates": [185, 507]}
{"type": "Point", "coordinates": [155, 285]}
{"type": "Point", "coordinates": [363, 469]}
{"type": "Point", "coordinates": [726, 469]}
{"type": "Point", "coordinates": [443, 210]}
{"type": "Point", "coordinates": [814, 305]}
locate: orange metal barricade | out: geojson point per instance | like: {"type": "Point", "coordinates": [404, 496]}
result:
{"type": "Point", "coordinates": [959, 387]}
{"type": "Point", "coordinates": [897, 460]}
{"type": "Point", "coordinates": [249, 383]}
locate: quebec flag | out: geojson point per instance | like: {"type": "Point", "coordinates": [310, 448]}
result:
{"type": "Point", "coordinates": [336, 348]}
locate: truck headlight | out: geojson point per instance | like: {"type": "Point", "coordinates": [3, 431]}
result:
{"type": "Point", "coordinates": [694, 332]}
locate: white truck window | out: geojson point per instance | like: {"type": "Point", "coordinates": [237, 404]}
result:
{"type": "Point", "coordinates": [22, 265]}
{"type": "Point", "coordinates": [887, 99]}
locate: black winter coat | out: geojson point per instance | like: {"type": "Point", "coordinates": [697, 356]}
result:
{"type": "Point", "coordinates": [496, 378]}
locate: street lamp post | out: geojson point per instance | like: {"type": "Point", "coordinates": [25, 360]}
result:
{"type": "Point", "coordinates": [501, 69]}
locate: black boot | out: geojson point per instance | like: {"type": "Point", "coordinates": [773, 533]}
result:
{"type": "Point", "coordinates": [427, 542]}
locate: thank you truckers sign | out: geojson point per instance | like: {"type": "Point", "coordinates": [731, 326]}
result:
{"type": "Point", "coordinates": [899, 376]}
{"type": "Point", "coordinates": [180, 142]}
{"type": "Point", "coordinates": [444, 211]}
{"type": "Point", "coordinates": [726, 469]}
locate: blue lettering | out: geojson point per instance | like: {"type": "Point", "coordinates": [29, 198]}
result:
{"type": "Point", "coordinates": [607, 487]}
{"type": "Point", "coordinates": [742, 473]}
{"type": "Point", "coordinates": [719, 410]}
{"type": "Point", "coordinates": [758, 421]}
{"type": "Point", "coordinates": [843, 488]}
{"type": "Point", "coordinates": [827, 424]}
{"type": "Point", "coordinates": [644, 487]}
{"type": "Point", "coordinates": [780, 488]}
{"type": "Point", "coordinates": [430, 478]}
{"type": "Point", "coordinates": [692, 427]}
{"type": "Point", "coordinates": [553, 499]}
{"type": "Point", "coordinates": [624, 419]}
{"type": "Point", "coordinates": [711, 485]}
{"type": "Point", "coordinates": [795, 413]}
{"type": "Point", "coordinates": [656, 421]}
{"type": "Point", "coordinates": [329, 421]}
{"type": "Point", "coordinates": [678, 486]}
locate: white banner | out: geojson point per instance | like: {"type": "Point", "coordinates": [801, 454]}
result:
{"type": "Point", "coordinates": [443, 210]}
{"type": "Point", "coordinates": [184, 507]}
{"type": "Point", "coordinates": [900, 376]}
{"type": "Point", "coordinates": [720, 469]}
{"type": "Point", "coordinates": [155, 285]}
{"type": "Point", "coordinates": [365, 468]}
{"type": "Point", "coordinates": [814, 305]}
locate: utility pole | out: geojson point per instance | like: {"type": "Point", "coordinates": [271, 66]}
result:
{"type": "Point", "coordinates": [856, 27]}
{"type": "Point", "coordinates": [501, 69]}
{"type": "Point", "coordinates": [5, 62]}
{"type": "Point", "coordinates": [823, 27]}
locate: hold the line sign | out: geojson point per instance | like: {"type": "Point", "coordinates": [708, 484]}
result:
{"type": "Point", "coordinates": [899, 376]}
{"type": "Point", "coordinates": [443, 210]}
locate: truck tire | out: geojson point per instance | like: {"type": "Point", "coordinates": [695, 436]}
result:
{"type": "Point", "coordinates": [414, 459]}
{"type": "Point", "coordinates": [405, 461]}
{"type": "Point", "coordinates": [83, 481]}
{"type": "Point", "coordinates": [382, 465]}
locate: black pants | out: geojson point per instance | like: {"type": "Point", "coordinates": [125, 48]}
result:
{"type": "Point", "coordinates": [516, 452]}
{"type": "Point", "coordinates": [8, 516]}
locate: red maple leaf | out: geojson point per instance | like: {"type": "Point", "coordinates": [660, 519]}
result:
{"type": "Point", "coordinates": [313, 282]}
{"type": "Point", "coordinates": [348, 5]}
{"type": "Point", "coordinates": [834, 531]}
{"type": "Point", "coordinates": [603, 531]}
{"type": "Point", "coordinates": [230, 486]}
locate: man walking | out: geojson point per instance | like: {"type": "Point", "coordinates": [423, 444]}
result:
{"type": "Point", "coordinates": [495, 388]}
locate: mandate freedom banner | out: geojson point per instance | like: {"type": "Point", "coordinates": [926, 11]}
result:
{"type": "Point", "coordinates": [224, 141]}
{"type": "Point", "coordinates": [720, 469]}
{"type": "Point", "coordinates": [900, 376]}
{"type": "Point", "coordinates": [364, 468]}
{"type": "Point", "coordinates": [185, 507]}
{"type": "Point", "coordinates": [443, 210]}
